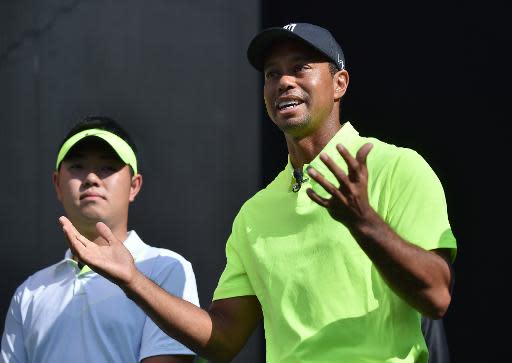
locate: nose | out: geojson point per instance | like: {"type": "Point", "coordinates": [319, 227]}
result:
{"type": "Point", "coordinates": [286, 82]}
{"type": "Point", "coordinates": [91, 179]}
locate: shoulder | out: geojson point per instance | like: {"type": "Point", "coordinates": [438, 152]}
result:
{"type": "Point", "coordinates": [144, 251]}
{"type": "Point", "coordinates": [251, 206]}
{"type": "Point", "coordinates": [46, 275]}
{"type": "Point", "coordinates": [267, 195]}
{"type": "Point", "coordinates": [409, 164]}
{"type": "Point", "coordinates": [383, 151]}
{"type": "Point", "coordinates": [39, 280]}
{"type": "Point", "coordinates": [399, 170]}
{"type": "Point", "coordinates": [170, 270]}
{"type": "Point", "coordinates": [393, 158]}
{"type": "Point", "coordinates": [158, 260]}
{"type": "Point", "coordinates": [168, 256]}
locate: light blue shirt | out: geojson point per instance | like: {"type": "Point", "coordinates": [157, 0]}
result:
{"type": "Point", "coordinates": [62, 314]}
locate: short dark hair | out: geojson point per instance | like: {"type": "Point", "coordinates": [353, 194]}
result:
{"type": "Point", "coordinates": [102, 123]}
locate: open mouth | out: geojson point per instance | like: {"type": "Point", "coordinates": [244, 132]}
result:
{"type": "Point", "coordinates": [288, 105]}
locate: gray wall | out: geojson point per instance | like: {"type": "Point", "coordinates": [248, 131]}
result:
{"type": "Point", "coordinates": [174, 72]}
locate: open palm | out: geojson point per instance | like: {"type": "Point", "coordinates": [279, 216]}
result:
{"type": "Point", "coordinates": [112, 260]}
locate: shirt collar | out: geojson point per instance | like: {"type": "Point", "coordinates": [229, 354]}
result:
{"type": "Point", "coordinates": [347, 135]}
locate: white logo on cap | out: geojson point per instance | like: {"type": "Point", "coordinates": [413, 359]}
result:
{"type": "Point", "coordinates": [290, 27]}
{"type": "Point", "coordinates": [340, 61]}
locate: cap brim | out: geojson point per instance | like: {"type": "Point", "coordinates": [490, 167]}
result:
{"type": "Point", "coordinates": [263, 42]}
{"type": "Point", "coordinates": [121, 147]}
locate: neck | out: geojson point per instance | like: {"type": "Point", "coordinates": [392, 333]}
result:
{"type": "Point", "coordinates": [304, 149]}
{"type": "Point", "coordinates": [90, 232]}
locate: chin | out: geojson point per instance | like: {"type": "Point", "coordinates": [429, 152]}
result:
{"type": "Point", "coordinates": [294, 126]}
{"type": "Point", "coordinates": [92, 216]}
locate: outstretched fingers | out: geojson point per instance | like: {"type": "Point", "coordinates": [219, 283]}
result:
{"type": "Point", "coordinates": [363, 152]}
{"type": "Point", "coordinates": [77, 242]}
{"type": "Point", "coordinates": [356, 166]}
{"type": "Point", "coordinates": [328, 186]}
{"type": "Point", "coordinates": [352, 164]}
{"type": "Point", "coordinates": [317, 199]}
{"type": "Point", "coordinates": [340, 175]}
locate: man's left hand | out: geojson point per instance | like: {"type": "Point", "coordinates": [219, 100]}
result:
{"type": "Point", "coordinates": [349, 202]}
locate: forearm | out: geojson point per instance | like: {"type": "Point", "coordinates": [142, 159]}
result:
{"type": "Point", "coordinates": [420, 277]}
{"type": "Point", "coordinates": [217, 335]}
{"type": "Point", "coordinates": [180, 319]}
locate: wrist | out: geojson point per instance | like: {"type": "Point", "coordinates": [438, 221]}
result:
{"type": "Point", "coordinates": [367, 226]}
{"type": "Point", "coordinates": [131, 284]}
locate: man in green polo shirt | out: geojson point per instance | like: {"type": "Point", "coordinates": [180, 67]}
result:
{"type": "Point", "coordinates": [340, 255]}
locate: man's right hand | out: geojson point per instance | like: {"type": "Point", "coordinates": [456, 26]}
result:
{"type": "Point", "coordinates": [112, 260]}
{"type": "Point", "coordinates": [218, 334]}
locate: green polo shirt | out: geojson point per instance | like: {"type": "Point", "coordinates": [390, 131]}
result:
{"type": "Point", "coordinates": [322, 298]}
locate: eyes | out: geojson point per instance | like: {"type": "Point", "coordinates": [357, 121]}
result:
{"type": "Point", "coordinates": [105, 168]}
{"type": "Point", "coordinates": [297, 70]}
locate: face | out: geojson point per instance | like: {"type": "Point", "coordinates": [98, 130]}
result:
{"type": "Point", "coordinates": [94, 185]}
{"type": "Point", "coordinates": [299, 90]}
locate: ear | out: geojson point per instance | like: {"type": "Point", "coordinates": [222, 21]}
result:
{"type": "Point", "coordinates": [340, 81]}
{"type": "Point", "coordinates": [56, 185]}
{"type": "Point", "coordinates": [135, 186]}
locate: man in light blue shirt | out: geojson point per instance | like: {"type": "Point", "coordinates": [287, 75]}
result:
{"type": "Point", "coordinates": [68, 313]}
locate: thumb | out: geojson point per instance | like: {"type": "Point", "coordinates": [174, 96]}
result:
{"type": "Point", "coordinates": [107, 234]}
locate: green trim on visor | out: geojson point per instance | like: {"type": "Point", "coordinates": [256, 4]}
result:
{"type": "Point", "coordinates": [121, 147]}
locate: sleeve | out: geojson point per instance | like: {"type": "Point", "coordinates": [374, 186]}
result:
{"type": "Point", "coordinates": [234, 280]}
{"type": "Point", "coordinates": [13, 347]}
{"type": "Point", "coordinates": [176, 277]}
{"type": "Point", "coordinates": [417, 208]}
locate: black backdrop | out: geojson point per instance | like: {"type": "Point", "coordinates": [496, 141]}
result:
{"type": "Point", "coordinates": [430, 76]}
{"type": "Point", "coordinates": [434, 76]}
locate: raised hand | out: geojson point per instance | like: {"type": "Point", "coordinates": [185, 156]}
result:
{"type": "Point", "coordinates": [112, 260]}
{"type": "Point", "coordinates": [349, 202]}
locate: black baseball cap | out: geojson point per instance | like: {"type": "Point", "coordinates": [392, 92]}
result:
{"type": "Point", "coordinates": [312, 35]}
